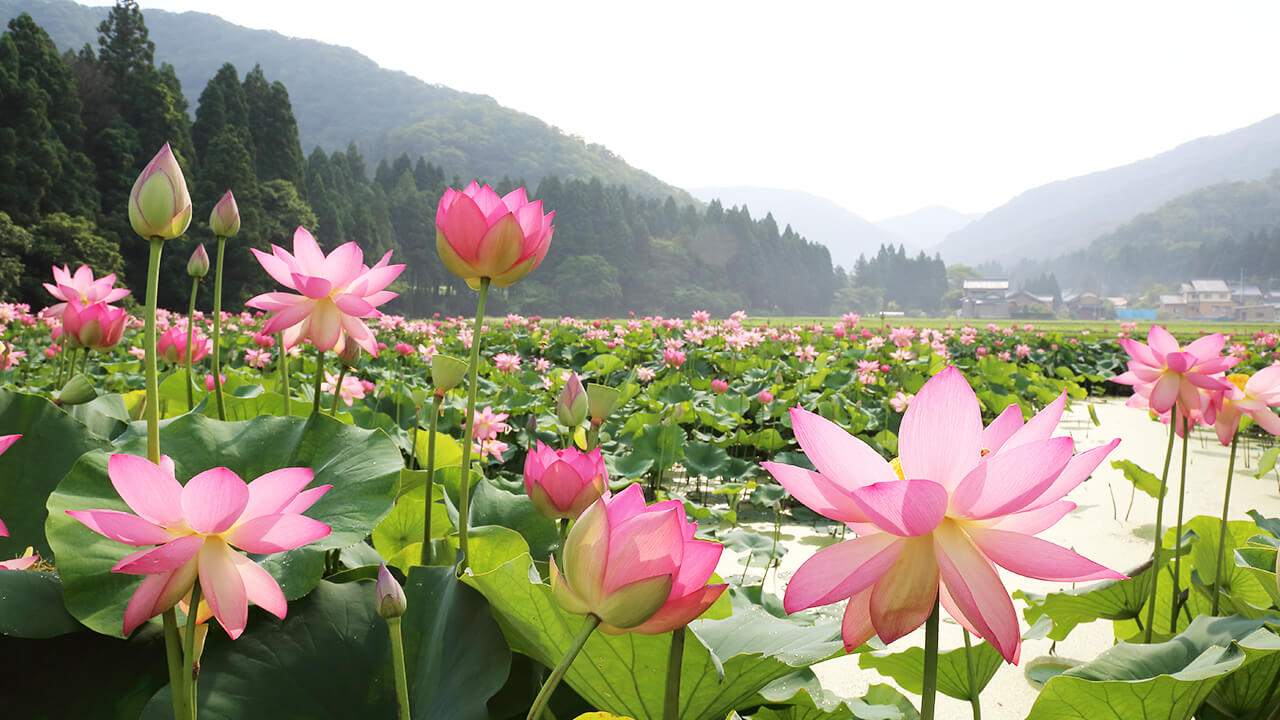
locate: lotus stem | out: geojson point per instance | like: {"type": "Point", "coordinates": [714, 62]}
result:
{"type": "Point", "coordinates": [675, 662]}
{"type": "Point", "coordinates": [337, 392]}
{"type": "Point", "coordinates": [1177, 535]}
{"type": "Point", "coordinates": [1155, 555]}
{"type": "Point", "coordinates": [431, 475]}
{"type": "Point", "coordinates": [1222, 529]}
{"type": "Point", "coordinates": [173, 653]}
{"type": "Point", "coordinates": [189, 650]}
{"type": "Point", "coordinates": [217, 331]}
{"type": "Point", "coordinates": [315, 401]}
{"type": "Point", "coordinates": [397, 662]}
{"type": "Point", "coordinates": [465, 480]}
{"type": "Point", "coordinates": [284, 372]}
{"type": "Point", "coordinates": [544, 695]}
{"type": "Point", "coordinates": [973, 685]}
{"type": "Point", "coordinates": [191, 326]}
{"type": "Point", "coordinates": [929, 691]}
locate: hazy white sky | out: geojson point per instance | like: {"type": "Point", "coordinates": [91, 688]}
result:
{"type": "Point", "coordinates": [883, 107]}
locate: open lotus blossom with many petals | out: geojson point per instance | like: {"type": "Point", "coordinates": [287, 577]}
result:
{"type": "Point", "coordinates": [638, 569]}
{"type": "Point", "coordinates": [480, 234]}
{"type": "Point", "coordinates": [1162, 372]}
{"type": "Point", "coordinates": [80, 288]}
{"type": "Point", "coordinates": [958, 501]}
{"type": "Point", "coordinates": [197, 528]}
{"type": "Point", "coordinates": [1254, 396]}
{"type": "Point", "coordinates": [337, 290]}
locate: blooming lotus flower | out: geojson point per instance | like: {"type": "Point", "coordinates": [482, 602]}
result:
{"type": "Point", "coordinates": [482, 235]}
{"type": "Point", "coordinates": [562, 483]}
{"type": "Point", "coordinates": [159, 204]}
{"type": "Point", "coordinates": [1253, 396]}
{"type": "Point", "coordinates": [486, 424]}
{"type": "Point", "coordinates": [81, 289]}
{"type": "Point", "coordinates": [636, 568]}
{"type": "Point", "coordinates": [98, 326]}
{"type": "Point", "coordinates": [933, 524]}
{"type": "Point", "coordinates": [352, 389]}
{"type": "Point", "coordinates": [337, 290]}
{"type": "Point", "coordinates": [224, 220]}
{"type": "Point", "coordinates": [172, 346]}
{"type": "Point", "coordinates": [1162, 372]}
{"type": "Point", "coordinates": [5, 442]}
{"type": "Point", "coordinates": [196, 528]}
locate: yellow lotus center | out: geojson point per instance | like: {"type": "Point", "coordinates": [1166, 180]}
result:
{"type": "Point", "coordinates": [896, 464]}
{"type": "Point", "coordinates": [1238, 379]}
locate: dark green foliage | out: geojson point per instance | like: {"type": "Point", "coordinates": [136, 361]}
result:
{"type": "Point", "coordinates": [60, 239]}
{"type": "Point", "coordinates": [274, 129]}
{"type": "Point", "coordinates": [15, 242]}
{"type": "Point", "coordinates": [903, 283]}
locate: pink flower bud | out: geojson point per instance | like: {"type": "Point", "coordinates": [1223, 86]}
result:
{"type": "Point", "coordinates": [224, 221]}
{"type": "Point", "coordinates": [765, 397]}
{"type": "Point", "coordinates": [719, 385]}
{"type": "Point", "coordinates": [198, 265]}
{"type": "Point", "coordinates": [159, 204]}
{"type": "Point", "coordinates": [562, 483]}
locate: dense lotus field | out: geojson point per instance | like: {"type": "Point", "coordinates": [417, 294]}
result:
{"type": "Point", "coordinates": [312, 509]}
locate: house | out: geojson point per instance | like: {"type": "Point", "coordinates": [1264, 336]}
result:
{"type": "Point", "coordinates": [1208, 298]}
{"type": "Point", "coordinates": [985, 299]}
{"type": "Point", "coordinates": [1257, 313]}
{"type": "Point", "coordinates": [1248, 295]}
{"type": "Point", "coordinates": [1024, 304]}
{"type": "Point", "coordinates": [1085, 305]}
{"type": "Point", "coordinates": [1174, 306]}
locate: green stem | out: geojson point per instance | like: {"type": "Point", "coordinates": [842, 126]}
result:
{"type": "Point", "coordinates": [149, 345]}
{"type": "Point", "coordinates": [217, 331]}
{"type": "Point", "coordinates": [84, 361]}
{"type": "Point", "coordinates": [397, 662]}
{"type": "Point", "coordinates": [284, 371]}
{"type": "Point", "coordinates": [1177, 535]}
{"type": "Point", "coordinates": [1155, 556]}
{"type": "Point", "coordinates": [1222, 529]}
{"type": "Point", "coordinates": [315, 403]}
{"type": "Point", "coordinates": [337, 391]}
{"type": "Point", "coordinates": [973, 685]}
{"type": "Point", "coordinates": [191, 326]}
{"type": "Point", "coordinates": [465, 480]}
{"type": "Point", "coordinates": [675, 661]}
{"type": "Point", "coordinates": [189, 649]}
{"type": "Point", "coordinates": [588, 625]}
{"type": "Point", "coordinates": [593, 436]}
{"type": "Point", "coordinates": [173, 653]}
{"type": "Point", "coordinates": [564, 535]}
{"type": "Point", "coordinates": [431, 475]}
{"type": "Point", "coordinates": [928, 694]}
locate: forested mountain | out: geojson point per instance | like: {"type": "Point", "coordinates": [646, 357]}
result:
{"type": "Point", "coordinates": [340, 96]}
{"type": "Point", "coordinates": [1220, 231]}
{"type": "Point", "coordinates": [927, 227]}
{"type": "Point", "coordinates": [1067, 215]}
{"type": "Point", "coordinates": [77, 127]}
{"type": "Point", "coordinates": [843, 233]}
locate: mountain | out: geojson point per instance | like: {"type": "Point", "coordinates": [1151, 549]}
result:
{"type": "Point", "coordinates": [340, 96]}
{"type": "Point", "coordinates": [927, 226]}
{"type": "Point", "coordinates": [1067, 215]}
{"type": "Point", "coordinates": [816, 218]}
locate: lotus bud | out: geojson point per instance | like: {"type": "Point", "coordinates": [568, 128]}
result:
{"type": "Point", "coordinates": [447, 372]}
{"type": "Point", "coordinates": [349, 353]}
{"type": "Point", "coordinates": [77, 391]}
{"type": "Point", "coordinates": [198, 265]}
{"type": "Point", "coordinates": [601, 401]}
{"type": "Point", "coordinates": [159, 204]}
{"type": "Point", "coordinates": [224, 221]}
{"type": "Point", "coordinates": [571, 407]}
{"type": "Point", "coordinates": [391, 599]}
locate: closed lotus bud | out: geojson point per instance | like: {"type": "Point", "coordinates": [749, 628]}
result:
{"type": "Point", "coordinates": [447, 372]}
{"type": "Point", "coordinates": [77, 391]}
{"type": "Point", "coordinates": [349, 354]}
{"type": "Point", "coordinates": [562, 483]}
{"type": "Point", "coordinates": [391, 599]}
{"type": "Point", "coordinates": [224, 221]}
{"type": "Point", "coordinates": [571, 407]}
{"type": "Point", "coordinates": [198, 265]}
{"type": "Point", "coordinates": [601, 401]}
{"type": "Point", "coordinates": [159, 204]}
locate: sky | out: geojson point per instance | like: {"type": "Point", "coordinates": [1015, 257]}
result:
{"type": "Point", "coordinates": [882, 107]}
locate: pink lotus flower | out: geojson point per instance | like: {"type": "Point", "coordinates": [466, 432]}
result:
{"type": "Point", "coordinates": [562, 483]}
{"type": "Point", "coordinates": [5, 442]}
{"type": "Point", "coordinates": [481, 235]}
{"type": "Point", "coordinates": [506, 362]}
{"type": "Point", "coordinates": [98, 326]}
{"type": "Point", "coordinates": [719, 386]}
{"type": "Point", "coordinates": [638, 569]}
{"type": "Point", "coordinates": [80, 289]}
{"type": "Point", "coordinates": [208, 381]}
{"type": "Point", "coordinates": [931, 524]}
{"type": "Point", "coordinates": [765, 397]}
{"type": "Point", "coordinates": [172, 346]}
{"type": "Point", "coordinates": [486, 424]}
{"type": "Point", "coordinates": [337, 290]}
{"type": "Point", "coordinates": [159, 204]}
{"type": "Point", "coordinates": [27, 559]}
{"type": "Point", "coordinates": [1162, 372]}
{"type": "Point", "coordinates": [352, 389]}
{"type": "Point", "coordinates": [1253, 396]}
{"type": "Point", "coordinates": [901, 401]}
{"type": "Point", "coordinates": [196, 527]}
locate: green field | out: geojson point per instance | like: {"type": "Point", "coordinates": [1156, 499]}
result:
{"type": "Point", "coordinates": [1175, 326]}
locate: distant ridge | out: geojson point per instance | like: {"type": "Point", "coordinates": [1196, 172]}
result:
{"type": "Point", "coordinates": [927, 227]}
{"type": "Point", "coordinates": [845, 234]}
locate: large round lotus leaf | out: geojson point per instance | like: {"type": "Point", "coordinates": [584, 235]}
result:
{"type": "Point", "coordinates": [362, 465]}
{"type": "Point", "coordinates": [31, 468]}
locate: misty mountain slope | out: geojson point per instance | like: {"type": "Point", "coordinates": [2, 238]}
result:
{"type": "Point", "coordinates": [816, 218]}
{"type": "Point", "coordinates": [1069, 214]}
{"type": "Point", "coordinates": [928, 226]}
{"type": "Point", "coordinates": [339, 95]}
